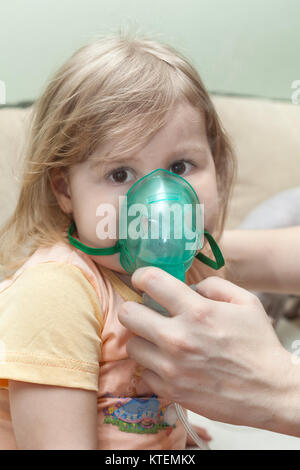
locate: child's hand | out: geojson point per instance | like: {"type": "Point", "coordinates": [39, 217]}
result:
{"type": "Point", "coordinates": [202, 433]}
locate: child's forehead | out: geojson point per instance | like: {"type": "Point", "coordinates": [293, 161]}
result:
{"type": "Point", "coordinates": [183, 131]}
{"type": "Point", "coordinates": [102, 160]}
{"type": "Point", "coordinates": [103, 154]}
{"type": "Point", "coordinates": [180, 151]}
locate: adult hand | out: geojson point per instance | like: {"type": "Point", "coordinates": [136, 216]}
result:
{"type": "Point", "coordinates": [217, 354]}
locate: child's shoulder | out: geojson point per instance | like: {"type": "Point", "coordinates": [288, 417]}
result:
{"type": "Point", "coordinates": [57, 273]}
{"type": "Point", "coordinates": [50, 322]}
{"type": "Point", "coordinates": [60, 260]}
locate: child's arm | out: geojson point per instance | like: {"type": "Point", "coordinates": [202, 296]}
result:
{"type": "Point", "coordinates": [47, 417]}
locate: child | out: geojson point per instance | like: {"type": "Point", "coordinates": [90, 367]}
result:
{"type": "Point", "coordinates": [118, 109]}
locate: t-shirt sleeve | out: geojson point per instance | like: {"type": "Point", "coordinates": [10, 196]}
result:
{"type": "Point", "coordinates": [50, 328]}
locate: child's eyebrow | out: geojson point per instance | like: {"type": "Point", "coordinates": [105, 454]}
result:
{"type": "Point", "coordinates": [98, 162]}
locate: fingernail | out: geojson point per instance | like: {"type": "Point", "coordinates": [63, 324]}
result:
{"type": "Point", "coordinates": [136, 277]}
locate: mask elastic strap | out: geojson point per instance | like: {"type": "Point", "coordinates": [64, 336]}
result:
{"type": "Point", "coordinates": [218, 262]}
{"type": "Point", "coordinates": [88, 249]}
{"type": "Point", "coordinates": [215, 264]}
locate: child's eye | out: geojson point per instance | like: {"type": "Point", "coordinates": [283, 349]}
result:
{"type": "Point", "coordinates": [119, 175]}
{"type": "Point", "coordinates": [180, 166]}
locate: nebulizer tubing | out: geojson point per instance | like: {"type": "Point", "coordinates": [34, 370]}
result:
{"type": "Point", "coordinates": [149, 302]}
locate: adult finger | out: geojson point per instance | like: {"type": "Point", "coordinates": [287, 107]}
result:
{"type": "Point", "coordinates": [167, 290]}
{"type": "Point", "coordinates": [221, 290]}
{"type": "Point", "coordinates": [143, 321]}
{"type": "Point", "coordinates": [148, 355]}
{"type": "Point", "coordinates": [156, 383]}
{"type": "Point", "coordinates": [202, 433]}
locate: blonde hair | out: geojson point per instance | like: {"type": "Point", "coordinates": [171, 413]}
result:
{"type": "Point", "coordinates": [115, 86]}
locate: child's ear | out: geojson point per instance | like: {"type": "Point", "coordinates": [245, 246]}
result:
{"type": "Point", "coordinates": [60, 185]}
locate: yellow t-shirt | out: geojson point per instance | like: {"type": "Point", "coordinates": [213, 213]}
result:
{"type": "Point", "coordinates": [50, 324]}
{"type": "Point", "coordinates": [59, 326]}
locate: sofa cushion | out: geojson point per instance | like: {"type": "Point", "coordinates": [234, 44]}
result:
{"type": "Point", "coordinates": [266, 139]}
{"type": "Point", "coordinates": [13, 125]}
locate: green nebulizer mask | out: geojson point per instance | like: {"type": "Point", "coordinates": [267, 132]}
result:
{"type": "Point", "coordinates": [160, 224]}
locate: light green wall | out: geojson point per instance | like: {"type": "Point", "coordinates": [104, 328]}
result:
{"type": "Point", "coordinates": [239, 46]}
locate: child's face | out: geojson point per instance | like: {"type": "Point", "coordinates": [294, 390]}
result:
{"type": "Point", "coordinates": [181, 146]}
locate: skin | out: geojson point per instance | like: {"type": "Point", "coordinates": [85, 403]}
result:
{"type": "Point", "coordinates": [79, 192]}
{"type": "Point", "coordinates": [53, 418]}
{"type": "Point", "coordinates": [263, 260]}
{"type": "Point", "coordinates": [217, 355]}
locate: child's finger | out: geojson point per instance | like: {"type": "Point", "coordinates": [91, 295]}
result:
{"type": "Point", "coordinates": [202, 433]}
